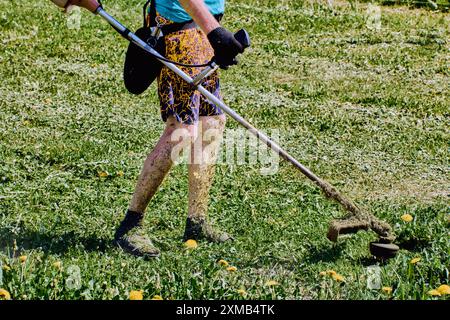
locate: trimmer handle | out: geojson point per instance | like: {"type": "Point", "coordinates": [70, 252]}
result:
{"type": "Point", "coordinates": [243, 38]}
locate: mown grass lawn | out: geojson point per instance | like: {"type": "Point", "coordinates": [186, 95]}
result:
{"type": "Point", "coordinates": [366, 109]}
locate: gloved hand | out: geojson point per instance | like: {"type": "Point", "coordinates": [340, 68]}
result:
{"type": "Point", "coordinates": [225, 46]}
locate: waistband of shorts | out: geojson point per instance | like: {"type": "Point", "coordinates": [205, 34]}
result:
{"type": "Point", "coordinates": [169, 26]}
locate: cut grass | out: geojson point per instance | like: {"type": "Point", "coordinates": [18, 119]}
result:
{"type": "Point", "coordinates": [366, 110]}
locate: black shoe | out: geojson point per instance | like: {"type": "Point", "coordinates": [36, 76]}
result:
{"type": "Point", "coordinates": [132, 238]}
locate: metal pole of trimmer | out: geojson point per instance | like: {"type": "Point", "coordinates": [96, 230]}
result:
{"type": "Point", "coordinates": [358, 220]}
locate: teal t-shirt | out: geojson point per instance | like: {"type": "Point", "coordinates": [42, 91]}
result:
{"type": "Point", "coordinates": [172, 9]}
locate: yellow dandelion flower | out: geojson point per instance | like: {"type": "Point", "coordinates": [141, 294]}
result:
{"type": "Point", "coordinates": [271, 283]}
{"type": "Point", "coordinates": [191, 244]}
{"type": "Point", "coordinates": [407, 217]}
{"type": "Point", "coordinates": [242, 292]}
{"type": "Point", "coordinates": [4, 295]}
{"type": "Point", "coordinates": [103, 174]}
{"type": "Point", "coordinates": [331, 272]}
{"type": "Point", "coordinates": [22, 259]}
{"type": "Point", "coordinates": [323, 273]}
{"type": "Point", "coordinates": [338, 277]}
{"type": "Point", "coordinates": [223, 263]}
{"type": "Point", "coordinates": [434, 293]}
{"type": "Point", "coordinates": [387, 290]}
{"type": "Point", "coordinates": [444, 289]}
{"type": "Point", "coordinates": [120, 173]}
{"type": "Point", "coordinates": [57, 264]}
{"type": "Point", "coordinates": [157, 297]}
{"type": "Point", "coordinates": [6, 268]}
{"type": "Point", "coordinates": [136, 295]}
{"type": "Point", "coordinates": [232, 269]}
{"type": "Point", "coordinates": [414, 260]}
{"type": "Point", "coordinates": [26, 123]}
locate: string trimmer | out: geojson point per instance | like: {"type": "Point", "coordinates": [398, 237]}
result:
{"type": "Point", "coordinates": [357, 218]}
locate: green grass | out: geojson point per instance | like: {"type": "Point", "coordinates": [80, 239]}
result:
{"type": "Point", "coordinates": [365, 109]}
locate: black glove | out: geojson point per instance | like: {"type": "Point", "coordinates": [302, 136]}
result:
{"type": "Point", "coordinates": [225, 46]}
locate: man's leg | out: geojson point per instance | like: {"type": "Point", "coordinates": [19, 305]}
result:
{"type": "Point", "coordinates": [204, 153]}
{"type": "Point", "coordinates": [130, 235]}
{"type": "Point", "coordinates": [157, 165]}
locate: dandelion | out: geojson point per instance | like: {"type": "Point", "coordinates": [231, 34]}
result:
{"type": "Point", "coordinates": [120, 173]}
{"type": "Point", "coordinates": [434, 293]}
{"type": "Point", "coordinates": [242, 292]}
{"type": "Point", "coordinates": [6, 268]}
{"type": "Point", "coordinates": [26, 123]}
{"type": "Point", "coordinates": [232, 269]}
{"type": "Point", "coordinates": [407, 217]}
{"type": "Point", "coordinates": [331, 273]}
{"type": "Point", "coordinates": [57, 264]}
{"type": "Point", "coordinates": [4, 295]}
{"type": "Point", "coordinates": [444, 289]}
{"type": "Point", "coordinates": [387, 290]}
{"type": "Point", "coordinates": [103, 174]}
{"type": "Point", "coordinates": [414, 260]}
{"type": "Point", "coordinates": [157, 297]}
{"type": "Point", "coordinates": [338, 278]}
{"type": "Point", "coordinates": [191, 244]}
{"type": "Point", "coordinates": [136, 295]}
{"type": "Point", "coordinates": [23, 259]}
{"type": "Point", "coordinates": [54, 283]}
{"type": "Point", "coordinates": [271, 283]}
{"type": "Point", "coordinates": [223, 263]}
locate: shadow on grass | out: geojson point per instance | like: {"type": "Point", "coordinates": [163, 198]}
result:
{"type": "Point", "coordinates": [414, 245]}
{"type": "Point", "coordinates": [51, 243]}
{"type": "Point", "coordinates": [370, 261]}
{"type": "Point", "coordinates": [315, 255]}
{"type": "Point", "coordinates": [325, 253]}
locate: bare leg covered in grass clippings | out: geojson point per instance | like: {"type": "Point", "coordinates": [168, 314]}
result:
{"type": "Point", "coordinates": [204, 139]}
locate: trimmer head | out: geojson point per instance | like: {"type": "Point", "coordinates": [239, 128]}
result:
{"type": "Point", "coordinates": [346, 226]}
{"type": "Point", "coordinates": [382, 249]}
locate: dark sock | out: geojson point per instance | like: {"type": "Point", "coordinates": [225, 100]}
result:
{"type": "Point", "coordinates": [132, 219]}
{"type": "Point", "coordinates": [193, 228]}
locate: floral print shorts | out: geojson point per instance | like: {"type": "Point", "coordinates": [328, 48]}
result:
{"type": "Point", "coordinates": [177, 97]}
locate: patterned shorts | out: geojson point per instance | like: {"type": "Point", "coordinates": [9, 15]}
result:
{"type": "Point", "coordinates": [177, 97]}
